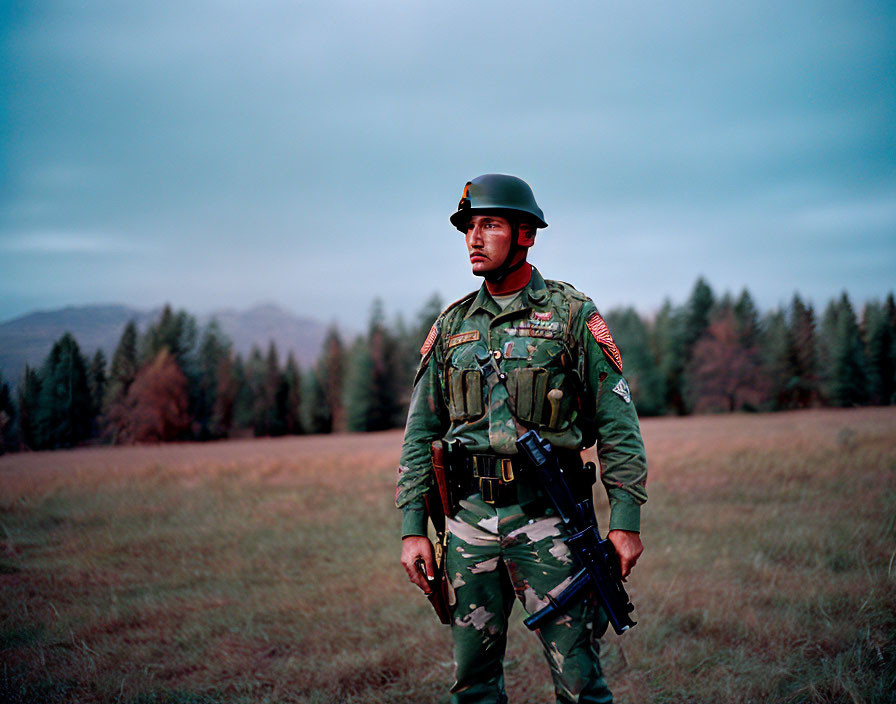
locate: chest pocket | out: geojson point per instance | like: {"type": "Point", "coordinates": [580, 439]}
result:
{"type": "Point", "coordinates": [539, 386]}
{"type": "Point", "coordinates": [464, 382]}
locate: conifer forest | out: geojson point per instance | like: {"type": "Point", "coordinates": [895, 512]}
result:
{"type": "Point", "coordinates": [174, 381]}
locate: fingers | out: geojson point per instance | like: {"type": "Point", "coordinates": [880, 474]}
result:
{"type": "Point", "coordinates": [417, 577]}
{"type": "Point", "coordinates": [626, 564]}
{"type": "Point", "coordinates": [417, 553]}
{"type": "Point", "coordinates": [628, 547]}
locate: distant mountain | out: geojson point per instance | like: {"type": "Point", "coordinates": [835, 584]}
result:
{"type": "Point", "coordinates": [28, 339]}
{"type": "Point", "coordinates": [263, 323]}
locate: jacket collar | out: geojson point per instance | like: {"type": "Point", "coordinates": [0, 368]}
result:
{"type": "Point", "coordinates": [534, 294]}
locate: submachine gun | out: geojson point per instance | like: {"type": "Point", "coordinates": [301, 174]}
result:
{"type": "Point", "coordinates": [597, 558]}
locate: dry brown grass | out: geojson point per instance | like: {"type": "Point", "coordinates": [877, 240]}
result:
{"type": "Point", "coordinates": [266, 570]}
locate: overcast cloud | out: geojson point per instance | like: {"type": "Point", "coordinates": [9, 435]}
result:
{"type": "Point", "coordinates": [224, 153]}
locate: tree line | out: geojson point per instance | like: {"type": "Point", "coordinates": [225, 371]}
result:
{"type": "Point", "coordinates": [177, 382]}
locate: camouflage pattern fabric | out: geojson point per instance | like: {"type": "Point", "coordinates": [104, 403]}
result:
{"type": "Point", "coordinates": [563, 377]}
{"type": "Point", "coordinates": [546, 343]}
{"type": "Point", "coordinates": [494, 556]}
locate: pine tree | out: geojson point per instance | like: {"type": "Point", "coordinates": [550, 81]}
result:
{"type": "Point", "coordinates": [275, 394]}
{"type": "Point", "coordinates": [214, 349]}
{"type": "Point", "coordinates": [28, 405]}
{"type": "Point", "coordinates": [330, 377]}
{"type": "Point", "coordinates": [123, 369]}
{"type": "Point", "coordinates": [7, 419]}
{"type": "Point", "coordinates": [96, 381]}
{"type": "Point", "coordinates": [878, 347]}
{"type": "Point", "coordinates": [746, 321]}
{"type": "Point", "coordinates": [359, 392]}
{"type": "Point", "coordinates": [226, 390]}
{"type": "Point", "coordinates": [778, 365]}
{"type": "Point", "coordinates": [64, 413]}
{"type": "Point", "coordinates": [667, 343]}
{"type": "Point", "coordinates": [385, 410]}
{"type": "Point", "coordinates": [676, 332]}
{"type": "Point", "coordinates": [256, 376]}
{"type": "Point", "coordinates": [316, 408]}
{"type": "Point", "coordinates": [889, 364]}
{"type": "Point", "coordinates": [243, 402]}
{"type": "Point", "coordinates": [292, 377]}
{"type": "Point", "coordinates": [805, 354]}
{"type": "Point", "coordinates": [845, 372]}
{"type": "Point", "coordinates": [697, 314]}
{"type": "Point", "coordinates": [176, 331]}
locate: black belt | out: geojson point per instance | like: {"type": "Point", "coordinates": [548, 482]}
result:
{"type": "Point", "coordinates": [495, 476]}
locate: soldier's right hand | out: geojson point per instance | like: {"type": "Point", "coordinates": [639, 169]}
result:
{"type": "Point", "coordinates": [414, 548]}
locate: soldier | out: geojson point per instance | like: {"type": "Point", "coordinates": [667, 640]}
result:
{"type": "Point", "coordinates": [560, 373]}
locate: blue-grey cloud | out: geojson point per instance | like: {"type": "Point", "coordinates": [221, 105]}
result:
{"type": "Point", "coordinates": [223, 153]}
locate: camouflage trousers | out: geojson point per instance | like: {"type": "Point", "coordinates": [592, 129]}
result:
{"type": "Point", "coordinates": [496, 554]}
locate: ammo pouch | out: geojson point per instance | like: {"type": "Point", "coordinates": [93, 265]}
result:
{"type": "Point", "coordinates": [528, 387]}
{"type": "Point", "coordinates": [464, 394]}
{"type": "Point", "coordinates": [536, 403]}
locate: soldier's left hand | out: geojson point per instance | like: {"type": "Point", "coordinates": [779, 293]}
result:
{"type": "Point", "coordinates": [628, 545]}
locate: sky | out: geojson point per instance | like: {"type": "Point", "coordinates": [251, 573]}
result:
{"type": "Point", "coordinates": [222, 154]}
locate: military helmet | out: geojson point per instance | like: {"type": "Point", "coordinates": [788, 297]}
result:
{"type": "Point", "coordinates": [497, 192]}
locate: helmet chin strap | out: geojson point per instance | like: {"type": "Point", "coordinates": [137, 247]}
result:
{"type": "Point", "coordinates": [496, 276]}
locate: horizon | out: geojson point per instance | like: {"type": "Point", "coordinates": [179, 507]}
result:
{"type": "Point", "coordinates": [392, 316]}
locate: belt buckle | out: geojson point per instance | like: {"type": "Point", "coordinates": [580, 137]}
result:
{"type": "Point", "coordinates": [506, 470]}
{"type": "Point", "coordinates": [488, 487]}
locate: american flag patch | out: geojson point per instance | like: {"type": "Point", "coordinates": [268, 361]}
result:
{"type": "Point", "coordinates": [430, 339]}
{"type": "Point", "coordinates": [601, 333]}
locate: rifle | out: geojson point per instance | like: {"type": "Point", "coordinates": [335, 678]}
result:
{"type": "Point", "coordinates": [597, 558]}
{"type": "Point", "coordinates": [437, 505]}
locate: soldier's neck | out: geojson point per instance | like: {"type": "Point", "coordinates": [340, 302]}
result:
{"type": "Point", "coordinates": [514, 282]}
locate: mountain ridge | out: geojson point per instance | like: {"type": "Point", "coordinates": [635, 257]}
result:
{"type": "Point", "coordinates": [27, 339]}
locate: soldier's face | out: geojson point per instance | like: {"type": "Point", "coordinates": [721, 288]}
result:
{"type": "Point", "coordinates": [488, 240]}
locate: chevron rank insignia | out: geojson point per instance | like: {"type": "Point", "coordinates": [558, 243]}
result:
{"type": "Point", "coordinates": [601, 333]}
{"type": "Point", "coordinates": [623, 391]}
{"type": "Point", "coordinates": [430, 339]}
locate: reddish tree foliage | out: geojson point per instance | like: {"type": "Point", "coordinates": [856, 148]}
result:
{"type": "Point", "coordinates": [155, 408]}
{"type": "Point", "coordinates": [724, 375]}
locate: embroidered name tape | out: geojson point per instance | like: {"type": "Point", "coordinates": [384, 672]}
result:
{"type": "Point", "coordinates": [462, 337]}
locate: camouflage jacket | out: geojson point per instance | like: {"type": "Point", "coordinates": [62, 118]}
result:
{"type": "Point", "coordinates": [549, 338]}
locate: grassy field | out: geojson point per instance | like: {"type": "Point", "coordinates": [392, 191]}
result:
{"type": "Point", "coordinates": [267, 571]}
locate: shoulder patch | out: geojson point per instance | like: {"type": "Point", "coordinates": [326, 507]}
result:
{"type": "Point", "coordinates": [430, 340]}
{"type": "Point", "coordinates": [601, 333]}
{"type": "Point", "coordinates": [621, 389]}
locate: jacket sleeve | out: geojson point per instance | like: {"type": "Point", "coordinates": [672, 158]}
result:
{"type": "Point", "coordinates": [620, 449]}
{"type": "Point", "coordinates": [427, 421]}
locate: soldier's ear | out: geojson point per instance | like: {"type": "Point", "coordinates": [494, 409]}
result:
{"type": "Point", "coordinates": [526, 237]}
